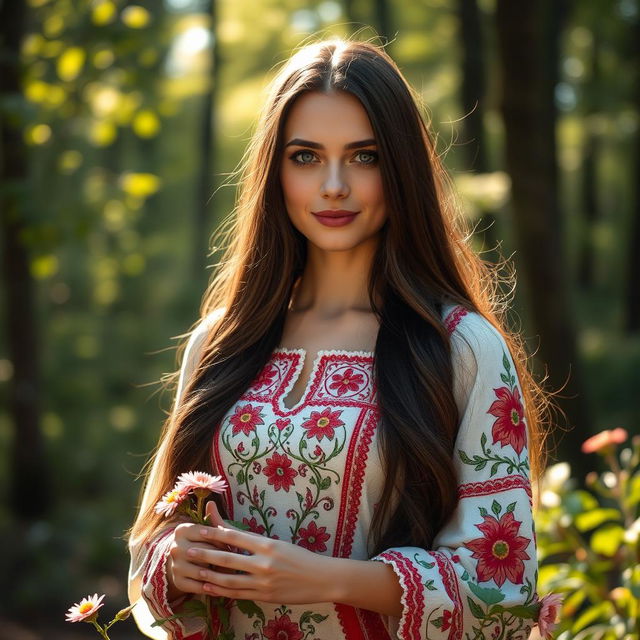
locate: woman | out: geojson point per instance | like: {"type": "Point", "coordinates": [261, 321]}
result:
{"type": "Point", "coordinates": [353, 382]}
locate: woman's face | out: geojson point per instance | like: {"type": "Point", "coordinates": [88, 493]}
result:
{"type": "Point", "coordinates": [330, 166]}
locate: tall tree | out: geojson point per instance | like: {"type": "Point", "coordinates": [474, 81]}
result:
{"type": "Point", "coordinates": [528, 36]}
{"type": "Point", "coordinates": [586, 260]}
{"type": "Point", "coordinates": [473, 84]}
{"type": "Point", "coordinates": [633, 274]}
{"type": "Point", "coordinates": [28, 469]}
{"type": "Point", "coordinates": [208, 143]}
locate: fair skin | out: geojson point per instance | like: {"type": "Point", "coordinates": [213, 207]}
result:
{"type": "Point", "coordinates": [329, 309]}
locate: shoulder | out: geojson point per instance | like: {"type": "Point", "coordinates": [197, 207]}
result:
{"type": "Point", "coordinates": [472, 335]}
{"type": "Point", "coordinates": [200, 332]}
{"type": "Point", "coordinates": [477, 348]}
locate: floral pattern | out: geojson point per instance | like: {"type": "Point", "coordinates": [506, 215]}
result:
{"type": "Point", "coordinates": [500, 551]}
{"type": "Point", "coordinates": [245, 419]}
{"type": "Point", "coordinates": [323, 424]}
{"type": "Point", "coordinates": [312, 475]}
{"type": "Point", "coordinates": [279, 472]}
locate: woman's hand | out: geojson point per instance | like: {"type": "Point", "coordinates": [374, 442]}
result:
{"type": "Point", "coordinates": [183, 569]}
{"type": "Point", "coordinates": [275, 571]}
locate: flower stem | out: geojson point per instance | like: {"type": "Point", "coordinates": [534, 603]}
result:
{"type": "Point", "coordinates": [101, 631]}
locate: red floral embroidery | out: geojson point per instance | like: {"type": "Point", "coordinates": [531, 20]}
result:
{"type": "Point", "coordinates": [279, 472]}
{"type": "Point", "coordinates": [265, 378]}
{"type": "Point", "coordinates": [500, 552]}
{"type": "Point", "coordinates": [510, 427]}
{"type": "Point", "coordinates": [347, 381]}
{"type": "Point", "coordinates": [282, 628]}
{"type": "Point", "coordinates": [313, 538]}
{"type": "Point", "coordinates": [282, 423]}
{"type": "Point", "coordinates": [323, 423]}
{"type": "Point", "coordinates": [253, 525]}
{"type": "Point", "coordinates": [446, 620]}
{"type": "Point", "coordinates": [245, 419]}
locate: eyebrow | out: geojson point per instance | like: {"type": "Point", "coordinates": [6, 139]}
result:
{"type": "Point", "coordinates": [316, 145]}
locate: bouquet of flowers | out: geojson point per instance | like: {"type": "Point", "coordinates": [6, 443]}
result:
{"type": "Point", "coordinates": [188, 497]}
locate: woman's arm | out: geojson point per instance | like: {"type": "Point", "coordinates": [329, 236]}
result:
{"type": "Point", "coordinates": [278, 571]}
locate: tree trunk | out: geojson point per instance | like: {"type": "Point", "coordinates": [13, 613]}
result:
{"type": "Point", "coordinates": [382, 20]}
{"type": "Point", "coordinates": [633, 276]}
{"type": "Point", "coordinates": [29, 482]}
{"type": "Point", "coordinates": [473, 84]}
{"type": "Point", "coordinates": [527, 33]}
{"type": "Point", "coordinates": [586, 260]}
{"type": "Point", "coordinates": [207, 182]}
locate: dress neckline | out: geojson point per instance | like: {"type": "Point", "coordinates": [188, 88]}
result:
{"type": "Point", "coordinates": [314, 373]}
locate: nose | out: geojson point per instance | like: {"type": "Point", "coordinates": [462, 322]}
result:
{"type": "Point", "coordinates": [334, 185]}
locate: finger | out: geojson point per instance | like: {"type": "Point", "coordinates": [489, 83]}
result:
{"type": "Point", "coordinates": [235, 594]}
{"type": "Point", "coordinates": [237, 538]}
{"type": "Point", "coordinates": [224, 559]}
{"type": "Point", "coordinates": [191, 586]}
{"type": "Point", "coordinates": [213, 516]}
{"type": "Point", "coordinates": [228, 580]}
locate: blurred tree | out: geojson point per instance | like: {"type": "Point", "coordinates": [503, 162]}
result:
{"type": "Point", "coordinates": [592, 107]}
{"type": "Point", "coordinates": [208, 134]}
{"type": "Point", "coordinates": [633, 271]}
{"type": "Point", "coordinates": [29, 471]}
{"type": "Point", "coordinates": [528, 47]}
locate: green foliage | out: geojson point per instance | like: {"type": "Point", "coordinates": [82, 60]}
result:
{"type": "Point", "coordinates": [589, 547]}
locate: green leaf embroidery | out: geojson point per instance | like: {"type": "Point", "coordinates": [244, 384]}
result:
{"type": "Point", "coordinates": [496, 508]}
{"type": "Point", "coordinates": [250, 609]}
{"type": "Point", "coordinates": [476, 609]}
{"type": "Point", "coordinates": [487, 595]}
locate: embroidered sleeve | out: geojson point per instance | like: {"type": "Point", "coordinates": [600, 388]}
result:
{"type": "Point", "coordinates": [147, 583]}
{"type": "Point", "coordinates": [479, 579]}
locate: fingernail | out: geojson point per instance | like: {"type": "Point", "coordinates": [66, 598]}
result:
{"type": "Point", "coordinates": [191, 552]}
{"type": "Point", "coordinates": [204, 532]}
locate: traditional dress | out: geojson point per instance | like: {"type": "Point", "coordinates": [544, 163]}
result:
{"type": "Point", "coordinates": [312, 475]}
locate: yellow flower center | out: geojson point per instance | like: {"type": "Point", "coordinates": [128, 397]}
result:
{"type": "Point", "coordinates": [245, 417]}
{"type": "Point", "coordinates": [323, 422]}
{"type": "Point", "coordinates": [500, 549]}
{"type": "Point", "coordinates": [87, 606]}
{"type": "Point", "coordinates": [345, 380]}
{"type": "Point", "coordinates": [173, 496]}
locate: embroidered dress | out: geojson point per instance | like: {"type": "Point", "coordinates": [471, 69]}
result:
{"type": "Point", "coordinates": [312, 474]}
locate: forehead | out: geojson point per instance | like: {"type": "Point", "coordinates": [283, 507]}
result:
{"type": "Point", "coordinates": [328, 116]}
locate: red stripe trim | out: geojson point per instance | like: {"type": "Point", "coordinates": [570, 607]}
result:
{"type": "Point", "coordinates": [216, 464]}
{"type": "Point", "coordinates": [450, 581]}
{"type": "Point", "coordinates": [486, 487]}
{"type": "Point", "coordinates": [453, 318]}
{"type": "Point", "coordinates": [413, 596]}
{"type": "Point", "coordinates": [349, 622]}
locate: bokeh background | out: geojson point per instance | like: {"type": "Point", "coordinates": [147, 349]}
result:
{"type": "Point", "coordinates": [121, 126]}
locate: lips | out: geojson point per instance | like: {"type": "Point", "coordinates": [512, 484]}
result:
{"type": "Point", "coordinates": [335, 213]}
{"type": "Point", "coordinates": [335, 217]}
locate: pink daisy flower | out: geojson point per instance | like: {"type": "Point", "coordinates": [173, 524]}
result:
{"type": "Point", "coordinates": [199, 480]}
{"type": "Point", "coordinates": [549, 609]}
{"type": "Point", "coordinates": [170, 501]}
{"type": "Point", "coordinates": [84, 609]}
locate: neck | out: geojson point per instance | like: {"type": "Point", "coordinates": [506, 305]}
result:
{"type": "Point", "coordinates": [334, 282]}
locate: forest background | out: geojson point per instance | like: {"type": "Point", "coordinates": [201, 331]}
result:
{"type": "Point", "coordinates": [121, 125]}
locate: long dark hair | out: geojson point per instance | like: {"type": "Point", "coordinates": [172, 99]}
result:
{"type": "Point", "coordinates": [422, 261]}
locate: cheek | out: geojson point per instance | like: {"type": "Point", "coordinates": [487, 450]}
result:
{"type": "Point", "coordinates": [294, 185]}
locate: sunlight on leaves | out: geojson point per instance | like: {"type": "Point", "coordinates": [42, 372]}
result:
{"type": "Point", "coordinates": [139, 185]}
{"type": "Point", "coordinates": [44, 266]}
{"type": "Point", "coordinates": [135, 17]}
{"type": "Point", "coordinates": [104, 12]}
{"type": "Point", "coordinates": [70, 63]}
{"type": "Point", "coordinates": [145, 124]}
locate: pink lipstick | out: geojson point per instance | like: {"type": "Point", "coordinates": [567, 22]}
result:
{"type": "Point", "coordinates": [335, 217]}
